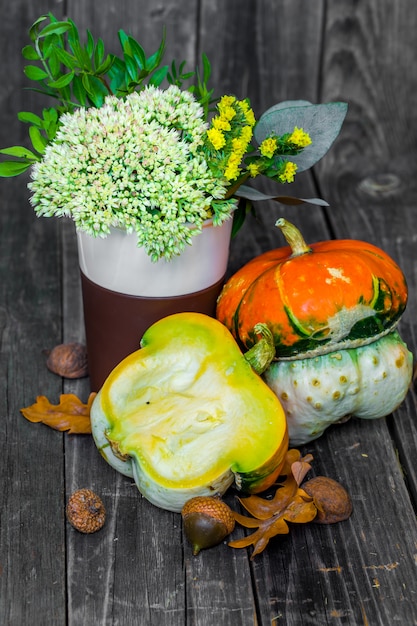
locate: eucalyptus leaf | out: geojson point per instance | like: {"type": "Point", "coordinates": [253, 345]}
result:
{"type": "Point", "coordinates": [321, 121]}
{"type": "Point", "coordinates": [255, 196]}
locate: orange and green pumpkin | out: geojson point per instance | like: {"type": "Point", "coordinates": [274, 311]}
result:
{"type": "Point", "coordinates": [332, 310]}
{"type": "Point", "coordinates": [315, 298]}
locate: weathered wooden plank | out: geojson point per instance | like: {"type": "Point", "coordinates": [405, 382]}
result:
{"type": "Point", "coordinates": [139, 568]}
{"type": "Point", "coordinates": [31, 464]}
{"type": "Point", "coordinates": [32, 555]}
{"type": "Point", "coordinates": [370, 175]}
{"type": "Point", "coordinates": [348, 574]}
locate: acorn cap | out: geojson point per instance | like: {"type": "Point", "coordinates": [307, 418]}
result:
{"type": "Point", "coordinates": [85, 511]}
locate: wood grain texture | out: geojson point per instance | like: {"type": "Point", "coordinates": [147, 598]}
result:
{"type": "Point", "coordinates": [139, 569]}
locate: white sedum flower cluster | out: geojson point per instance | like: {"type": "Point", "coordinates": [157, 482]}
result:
{"type": "Point", "coordinates": [136, 164]}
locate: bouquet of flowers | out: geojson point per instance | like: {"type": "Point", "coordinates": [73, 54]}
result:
{"type": "Point", "coordinates": [121, 151]}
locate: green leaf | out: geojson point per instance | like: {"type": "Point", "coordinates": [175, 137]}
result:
{"type": "Point", "coordinates": [35, 73]}
{"type": "Point", "coordinates": [90, 44]}
{"type": "Point", "coordinates": [38, 141]}
{"type": "Point", "coordinates": [95, 89]}
{"type": "Point", "coordinates": [19, 152]}
{"type": "Point", "coordinates": [54, 64]}
{"type": "Point", "coordinates": [321, 121]}
{"type": "Point", "coordinates": [57, 28]}
{"type": "Point", "coordinates": [79, 91]}
{"type": "Point", "coordinates": [239, 216]}
{"type": "Point", "coordinates": [158, 76]}
{"type": "Point", "coordinates": [13, 168]}
{"type": "Point", "coordinates": [66, 59]}
{"type": "Point", "coordinates": [131, 68]}
{"type": "Point", "coordinates": [29, 53]}
{"type": "Point", "coordinates": [31, 118]}
{"type": "Point", "coordinates": [206, 68]}
{"type": "Point", "coordinates": [99, 53]}
{"type": "Point", "coordinates": [50, 115]}
{"type": "Point", "coordinates": [106, 66]}
{"type": "Point", "coordinates": [34, 29]}
{"type": "Point", "coordinates": [155, 59]}
{"type": "Point", "coordinates": [50, 45]}
{"type": "Point", "coordinates": [117, 75]}
{"type": "Point", "coordinates": [123, 38]}
{"type": "Point", "coordinates": [62, 82]}
{"type": "Point", "coordinates": [137, 52]}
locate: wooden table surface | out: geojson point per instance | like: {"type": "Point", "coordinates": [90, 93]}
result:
{"type": "Point", "coordinates": [139, 568]}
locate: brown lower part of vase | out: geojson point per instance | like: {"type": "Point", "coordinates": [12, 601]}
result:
{"type": "Point", "coordinates": [115, 322]}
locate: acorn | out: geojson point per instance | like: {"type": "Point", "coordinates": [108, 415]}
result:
{"type": "Point", "coordinates": [68, 360]}
{"type": "Point", "coordinates": [85, 511]}
{"type": "Point", "coordinates": [207, 521]}
{"type": "Point", "coordinates": [331, 499]}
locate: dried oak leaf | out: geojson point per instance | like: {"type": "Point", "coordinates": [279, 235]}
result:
{"type": "Point", "coordinates": [289, 504]}
{"type": "Point", "coordinates": [70, 414]}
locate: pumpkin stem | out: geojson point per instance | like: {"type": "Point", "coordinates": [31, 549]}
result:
{"type": "Point", "coordinates": [262, 353]}
{"type": "Point", "coordinates": [293, 237]}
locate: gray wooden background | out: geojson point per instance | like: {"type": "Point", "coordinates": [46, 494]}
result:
{"type": "Point", "coordinates": [139, 570]}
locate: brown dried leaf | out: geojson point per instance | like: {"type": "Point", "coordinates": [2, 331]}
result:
{"type": "Point", "coordinates": [261, 508]}
{"type": "Point", "coordinates": [70, 414]}
{"type": "Point", "coordinates": [260, 538]}
{"type": "Point", "coordinates": [299, 469]}
{"type": "Point", "coordinates": [289, 504]}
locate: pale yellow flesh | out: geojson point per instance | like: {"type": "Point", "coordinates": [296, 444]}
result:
{"type": "Point", "coordinates": [188, 420]}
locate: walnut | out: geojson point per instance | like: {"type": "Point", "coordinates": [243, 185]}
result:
{"type": "Point", "coordinates": [331, 499]}
{"type": "Point", "coordinates": [68, 360]}
{"type": "Point", "coordinates": [85, 511]}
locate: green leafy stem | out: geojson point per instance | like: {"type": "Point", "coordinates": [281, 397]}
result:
{"type": "Point", "coordinates": [78, 74]}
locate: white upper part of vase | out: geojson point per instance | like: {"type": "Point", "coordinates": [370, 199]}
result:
{"type": "Point", "coordinates": [116, 263]}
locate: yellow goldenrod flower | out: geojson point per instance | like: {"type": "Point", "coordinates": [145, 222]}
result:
{"type": "Point", "coordinates": [248, 112]}
{"type": "Point", "coordinates": [226, 101]}
{"type": "Point", "coordinates": [216, 138]}
{"type": "Point", "coordinates": [227, 113]}
{"type": "Point", "coordinates": [299, 138]}
{"type": "Point", "coordinates": [268, 147]}
{"type": "Point", "coordinates": [254, 169]}
{"type": "Point", "coordinates": [246, 134]}
{"type": "Point", "coordinates": [239, 145]}
{"type": "Point", "coordinates": [232, 169]}
{"type": "Point", "coordinates": [220, 123]}
{"type": "Point", "coordinates": [287, 176]}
